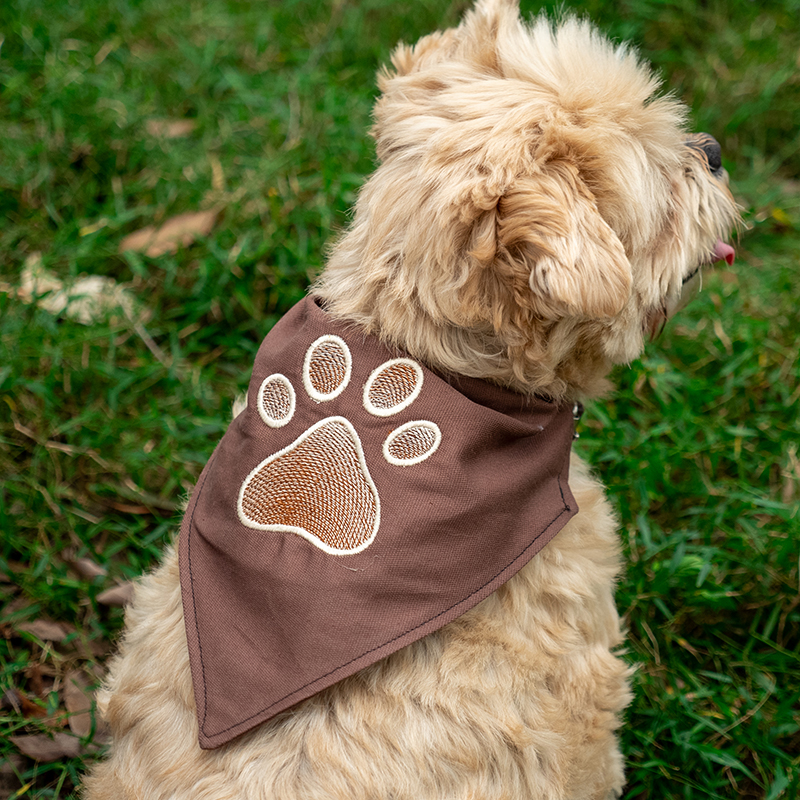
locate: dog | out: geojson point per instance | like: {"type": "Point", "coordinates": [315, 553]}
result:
{"type": "Point", "coordinates": [535, 214]}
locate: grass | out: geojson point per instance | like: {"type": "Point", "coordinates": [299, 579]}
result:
{"type": "Point", "coordinates": [104, 427]}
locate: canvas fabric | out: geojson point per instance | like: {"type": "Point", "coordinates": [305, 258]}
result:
{"type": "Point", "coordinates": [359, 503]}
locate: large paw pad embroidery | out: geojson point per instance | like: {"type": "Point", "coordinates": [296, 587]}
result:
{"type": "Point", "coordinates": [319, 487]}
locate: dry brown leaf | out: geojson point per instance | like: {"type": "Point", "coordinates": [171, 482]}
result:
{"type": "Point", "coordinates": [178, 231]}
{"type": "Point", "coordinates": [183, 229]}
{"type": "Point", "coordinates": [170, 128]}
{"type": "Point", "coordinates": [10, 569]}
{"type": "Point", "coordinates": [22, 704]}
{"type": "Point", "coordinates": [138, 241]}
{"type": "Point", "coordinates": [78, 701]}
{"type": "Point", "coordinates": [41, 747]}
{"type": "Point", "coordinates": [36, 672]}
{"type": "Point", "coordinates": [89, 649]}
{"type": "Point", "coordinates": [46, 630]}
{"type": "Point", "coordinates": [128, 508]}
{"type": "Point", "coordinates": [87, 568]}
{"type": "Point", "coordinates": [10, 767]}
{"type": "Point", "coordinates": [10, 699]}
{"type": "Point", "coordinates": [119, 595]}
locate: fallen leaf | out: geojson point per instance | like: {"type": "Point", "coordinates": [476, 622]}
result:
{"type": "Point", "coordinates": [22, 704]}
{"type": "Point", "coordinates": [17, 606]}
{"type": "Point", "coordinates": [41, 747]}
{"type": "Point", "coordinates": [78, 701]}
{"type": "Point", "coordinates": [35, 674]}
{"type": "Point", "coordinates": [178, 231]}
{"type": "Point", "coordinates": [12, 568]}
{"type": "Point", "coordinates": [119, 595]}
{"type": "Point", "coordinates": [89, 649]}
{"type": "Point", "coordinates": [723, 336]}
{"type": "Point", "coordinates": [170, 128]}
{"type": "Point", "coordinates": [127, 508]}
{"type": "Point", "coordinates": [10, 699]}
{"type": "Point", "coordinates": [139, 240]}
{"type": "Point", "coordinates": [87, 568]}
{"type": "Point", "coordinates": [10, 768]}
{"type": "Point", "coordinates": [87, 300]}
{"type": "Point", "coordinates": [46, 630]}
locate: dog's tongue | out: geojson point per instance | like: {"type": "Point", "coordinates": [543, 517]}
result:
{"type": "Point", "coordinates": [724, 251]}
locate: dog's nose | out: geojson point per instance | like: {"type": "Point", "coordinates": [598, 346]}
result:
{"type": "Point", "coordinates": [708, 145]}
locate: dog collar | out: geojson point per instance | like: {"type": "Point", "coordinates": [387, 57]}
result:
{"type": "Point", "coordinates": [359, 503]}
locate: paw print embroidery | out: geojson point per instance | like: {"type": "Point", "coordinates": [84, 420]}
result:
{"type": "Point", "coordinates": [319, 486]}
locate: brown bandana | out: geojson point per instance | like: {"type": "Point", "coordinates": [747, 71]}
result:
{"type": "Point", "coordinates": [359, 503]}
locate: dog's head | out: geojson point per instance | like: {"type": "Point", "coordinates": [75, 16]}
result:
{"type": "Point", "coordinates": [537, 207]}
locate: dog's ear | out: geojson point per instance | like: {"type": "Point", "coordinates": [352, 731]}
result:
{"type": "Point", "coordinates": [548, 224]}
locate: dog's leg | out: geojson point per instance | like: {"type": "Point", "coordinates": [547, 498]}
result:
{"type": "Point", "coordinates": [574, 628]}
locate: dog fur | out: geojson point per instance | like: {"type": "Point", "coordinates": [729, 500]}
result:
{"type": "Point", "coordinates": [535, 212]}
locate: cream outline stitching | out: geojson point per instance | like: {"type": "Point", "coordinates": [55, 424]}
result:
{"type": "Point", "coordinates": [315, 540]}
{"type": "Point", "coordinates": [388, 412]}
{"type": "Point", "coordinates": [319, 397]}
{"type": "Point", "coordinates": [271, 421]}
{"type": "Point", "coordinates": [420, 423]}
